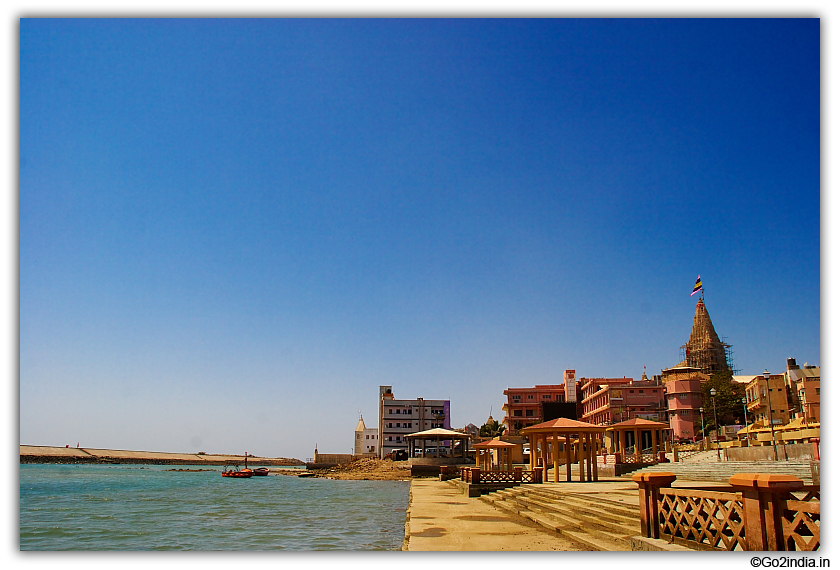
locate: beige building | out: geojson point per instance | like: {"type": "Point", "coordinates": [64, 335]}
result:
{"type": "Point", "coordinates": [803, 385]}
{"type": "Point", "coordinates": [399, 418]}
{"type": "Point", "coordinates": [767, 399]}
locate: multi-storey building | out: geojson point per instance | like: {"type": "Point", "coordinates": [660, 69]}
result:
{"type": "Point", "coordinates": [524, 406]}
{"type": "Point", "coordinates": [398, 418]}
{"type": "Point", "coordinates": [608, 401]}
{"type": "Point", "coordinates": [767, 399]}
{"type": "Point", "coordinates": [367, 439]}
{"type": "Point", "coordinates": [803, 386]}
{"type": "Point", "coordinates": [683, 386]}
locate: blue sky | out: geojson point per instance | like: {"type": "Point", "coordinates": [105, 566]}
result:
{"type": "Point", "coordinates": [264, 220]}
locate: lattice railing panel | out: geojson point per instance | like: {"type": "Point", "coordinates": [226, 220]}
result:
{"type": "Point", "coordinates": [801, 521]}
{"type": "Point", "coordinates": [713, 519]}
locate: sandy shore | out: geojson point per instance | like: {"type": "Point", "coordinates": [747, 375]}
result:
{"type": "Point", "coordinates": [47, 454]}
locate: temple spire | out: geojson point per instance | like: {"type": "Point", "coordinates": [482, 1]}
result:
{"type": "Point", "coordinates": [704, 349]}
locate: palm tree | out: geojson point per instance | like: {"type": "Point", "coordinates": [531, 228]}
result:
{"type": "Point", "coordinates": [491, 429]}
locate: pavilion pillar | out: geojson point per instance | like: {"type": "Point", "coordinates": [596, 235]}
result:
{"type": "Point", "coordinates": [544, 450]}
{"type": "Point", "coordinates": [581, 466]}
{"type": "Point", "coordinates": [595, 457]}
{"type": "Point", "coordinates": [637, 433]}
{"type": "Point", "coordinates": [568, 453]}
{"type": "Point", "coordinates": [532, 455]}
{"type": "Point", "coordinates": [555, 452]}
{"type": "Point", "coordinates": [654, 435]}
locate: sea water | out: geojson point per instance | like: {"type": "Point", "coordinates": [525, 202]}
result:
{"type": "Point", "coordinates": [140, 507]}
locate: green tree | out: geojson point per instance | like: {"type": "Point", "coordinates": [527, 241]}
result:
{"type": "Point", "coordinates": [727, 401]}
{"type": "Point", "coordinates": [491, 429]}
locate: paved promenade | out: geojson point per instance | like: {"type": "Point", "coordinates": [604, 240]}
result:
{"type": "Point", "coordinates": [440, 518]}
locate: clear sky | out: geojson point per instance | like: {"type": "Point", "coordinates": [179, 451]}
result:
{"type": "Point", "coordinates": [233, 231]}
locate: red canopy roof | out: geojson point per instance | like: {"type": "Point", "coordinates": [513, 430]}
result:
{"type": "Point", "coordinates": [494, 443]}
{"type": "Point", "coordinates": [640, 423]}
{"type": "Point", "coordinates": [564, 425]}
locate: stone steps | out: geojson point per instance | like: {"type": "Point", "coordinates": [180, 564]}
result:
{"type": "Point", "coordinates": [590, 521]}
{"type": "Point", "coordinates": [722, 471]}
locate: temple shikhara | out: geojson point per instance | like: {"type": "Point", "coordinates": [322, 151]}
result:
{"type": "Point", "coordinates": [704, 349]}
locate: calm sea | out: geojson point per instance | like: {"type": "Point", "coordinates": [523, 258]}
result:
{"type": "Point", "coordinates": [139, 507]}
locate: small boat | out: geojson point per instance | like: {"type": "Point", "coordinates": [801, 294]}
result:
{"type": "Point", "coordinates": [232, 470]}
{"type": "Point", "coordinates": [261, 471]}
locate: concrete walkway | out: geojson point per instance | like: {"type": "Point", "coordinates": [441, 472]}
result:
{"type": "Point", "coordinates": [440, 518]}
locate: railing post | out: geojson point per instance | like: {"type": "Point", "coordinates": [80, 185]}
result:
{"type": "Point", "coordinates": [517, 474]}
{"type": "Point", "coordinates": [676, 455]}
{"type": "Point", "coordinates": [475, 475]}
{"type": "Point", "coordinates": [538, 474]}
{"type": "Point", "coordinates": [764, 496]}
{"type": "Point", "coordinates": [649, 485]}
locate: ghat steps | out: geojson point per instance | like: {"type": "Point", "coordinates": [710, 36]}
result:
{"type": "Point", "coordinates": [587, 519]}
{"type": "Point", "coordinates": [721, 471]}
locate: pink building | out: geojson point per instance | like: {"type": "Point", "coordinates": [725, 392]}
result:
{"type": "Point", "coordinates": [685, 398]}
{"type": "Point", "coordinates": [524, 405]}
{"type": "Point", "coordinates": [608, 401]}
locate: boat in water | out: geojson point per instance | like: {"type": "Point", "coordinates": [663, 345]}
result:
{"type": "Point", "coordinates": [261, 471]}
{"type": "Point", "coordinates": [232, 470]}
{"type": "Point", "coordinates": [235, 471]}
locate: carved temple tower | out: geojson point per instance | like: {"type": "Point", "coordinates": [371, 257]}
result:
{"type": "Point", "coordinates": [704, 349]}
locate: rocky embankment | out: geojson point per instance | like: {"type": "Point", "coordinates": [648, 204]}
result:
{"type": "Point", "coordinates": [368, 468]}
{"type": "Point", "coordinates": [81, 455]}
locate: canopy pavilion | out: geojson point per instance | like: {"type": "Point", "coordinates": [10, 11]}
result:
{"type": "Point", "coordinates": [656, 432]}
{"type": "Point", "coordinates": [583, 447]}
{"type": "Point", "coordinates": [484, 454]}
{"type": "Point", "coordinates": [440, 436]}
{"type": "Point", "coordinates": [799, 429]}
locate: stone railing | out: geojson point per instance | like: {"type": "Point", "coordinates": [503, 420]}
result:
{"type": "Point", "coordinates": [757, 512]}
{"type": "Point", "coordinates": [518, 475]}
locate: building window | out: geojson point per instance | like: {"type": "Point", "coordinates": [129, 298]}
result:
{"type": "Point", "coordinates": [530, 396]}
{"type": "Point", "coordinates": [517, 413]}
{"type": "Point", "coordinates": [529, 413]}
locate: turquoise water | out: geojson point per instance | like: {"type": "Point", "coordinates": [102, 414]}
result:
{"type": "Point", "coordinates": [139, 507]}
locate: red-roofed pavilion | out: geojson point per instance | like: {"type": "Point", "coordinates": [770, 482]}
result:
{"type": "Point", "coordinates": [589, 437]}
{"type": "Point", "coordinates": [638, 426]}
{"type": "Point", "coordinates": [505, 456]}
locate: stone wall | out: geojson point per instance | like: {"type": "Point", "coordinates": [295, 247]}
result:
{"type": "Point", "coordinates": [794, 451]}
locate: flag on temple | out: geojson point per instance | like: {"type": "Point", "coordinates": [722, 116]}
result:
{"type": "Point", "coordinates": [697, 286]}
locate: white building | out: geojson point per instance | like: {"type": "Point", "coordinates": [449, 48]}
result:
{"type": "Point", "coordinates": [398, 418]}
{"type": "Point", "coordinates": [367, 439]}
